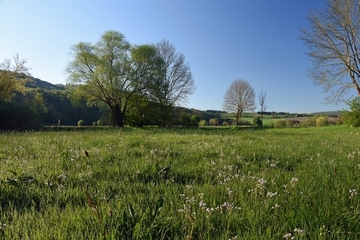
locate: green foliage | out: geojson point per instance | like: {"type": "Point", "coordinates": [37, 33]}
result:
{"type": "Point", "coordinates": [15, 115]}
{"type": "Point", "coordinates": [111, 71]}
{"type": "Point", "coordinates": [214, 121]}
{"type": "Point", "coordinates": [243, 122]}
{"type": "Point", "coordinates": [13, 77]}
{"type": "Point", "coordinates": [352, 117]}
{"type": "Point", "coordinates": [60, 106]}
{"type": "Point", "coordinates": [290, 122]}
{"type": "Point", "coordinates": [280, 123]}
{"type": "Point", "coordinates": [99, 123]}
{"type": "Point", "coordinates": [194, 120]}
{"type": "Point", "coordinates": [80, 123]}
{"type": "Point", "coordinates": [322, 121]}
{"type": "Point", "coordinates": [185, 119]}
{"type": "Point", "coordinates": [257, 121]}
{"type": "Point", "coordinates": [310, 122]}
{"type": "Point", "coordinates": [203, 123]}
{"type": "Point", "coordinates": [225, 124]}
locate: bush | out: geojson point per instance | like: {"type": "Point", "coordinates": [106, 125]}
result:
{"type": "Point", "coordinates": [80, 123]}
{"type": "Point", "coordinates": [336, 121]}
{"type": "Point", "coordinates": [194, 120]}
{"type": "Point", "coordinates": [352, 117]}
{"type": "Point", "coordinates": [322, 121]}
{"type": "Point", "coordinates": [270, 124]}
{"type": "Point", "coordinates": [243, 122]}
{"type": "Point", "coordinates": [203, 123]}
{"type": "Point", "coordinates": [99, 122]}
{"type": "Point", "coordinates": [257, 121]}
{"type": "Point", "coordinates": [214, 121]}
{"type": "Point", "coordinates": [225, 124]}
{"type": "Point", "coordinates": [280, 123]}
{"type": "Point", "coordinates": [309, 122]}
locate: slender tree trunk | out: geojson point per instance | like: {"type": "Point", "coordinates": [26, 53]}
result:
{"type": "Point", "coordinates": [238, 115]}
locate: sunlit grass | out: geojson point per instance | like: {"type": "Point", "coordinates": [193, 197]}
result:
{"type": "Point", "coordinates": [152, 183]}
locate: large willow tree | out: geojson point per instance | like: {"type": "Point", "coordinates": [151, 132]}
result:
{"type": "Point", "coordinates": [111, 71]}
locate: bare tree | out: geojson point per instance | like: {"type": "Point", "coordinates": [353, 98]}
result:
{"type": "Point", "coordinates": [10, 75]}
{"type": "Point", "coordinates": [262, 102]}
{"type": "Point", "coordinates": [333, 42]}
{"type": "Point", "coordinates": [239, 97]}
{"type": "Point", "coordinates": [178, 81]}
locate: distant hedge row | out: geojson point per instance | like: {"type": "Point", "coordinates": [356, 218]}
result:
{"type": "Point", "coordinates": [318, 121]}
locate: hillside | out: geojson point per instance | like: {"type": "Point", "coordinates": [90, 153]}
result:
{"type": "Point", "coordinates": [51, 102]}
{"type": "Point", "coordinates": [38, 83]}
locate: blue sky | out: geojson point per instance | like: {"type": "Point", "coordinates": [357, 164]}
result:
{"type": "Point", "coordinates": [254, 40]}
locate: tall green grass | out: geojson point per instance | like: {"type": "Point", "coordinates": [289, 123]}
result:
{"type": "Point", "coordinates": [153, 183]}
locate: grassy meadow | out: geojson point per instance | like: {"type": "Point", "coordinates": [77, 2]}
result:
{"type": "Point", "coordinates": [207, 183]}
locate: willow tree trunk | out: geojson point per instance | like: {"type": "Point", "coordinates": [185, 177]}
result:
{"type": "Point", "coordinates": [117, 116]}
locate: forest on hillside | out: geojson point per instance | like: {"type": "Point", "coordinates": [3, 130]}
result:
{"type": "Point", "coordinates": [44, 104]}
{"type": "Point", "coordinates": [41, 103]}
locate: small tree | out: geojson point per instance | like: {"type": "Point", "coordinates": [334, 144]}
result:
{"type": "Point", "coordinates": [257, 121]}
{"type": "Point", "coordinates": [225, 124]}
{"type": "Point", "coordinates": [352, 117]}
{"type": "Point", "coordinates": [203, 123]}
{"type": "Point", "coordinates": [214, 121]}
{"type": "Point", "coordinates": [239, 97]}
{"type": "Point", "coordinates": [184, 119]}
{"type": "Point", "coordinates": [322, 121]}
{"type": "Point", "coordinates": [262, 102]}
{"type": "Point", "coordinates": [194, 121]}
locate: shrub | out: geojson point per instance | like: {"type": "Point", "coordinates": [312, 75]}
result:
{"type": "Point", "coordinates": [185, 119]}
{"type": "Point", "coordinates": [257, 121]}
{"type": "Point", "coordinates": [303, 123]}
{"type": "Point", "coordinates": [94, 123]}
{"type": "Point", "coordinates": [280, 123]}
{"type": "Point", "coordinates": [290, 123]}
{"type": "Point", "coordinates": [309, 122]}
{"type": "Point", "coordinates": [322, 121]}
{"type": "Point", "coordinates": [99, 122]}
{"type": "Point", "coordinates": [352, 117]}
{"type": "Point", "coordinates": [243, 122]}
{"type": "Point", "coordinates": [80, 123]}
{"type": "Point", "coordinates": [225, 124]}
{"type": "Point", "coordinates": [336, 121]}
{"type": "Point", "coordinates": [214, 121]}
{"type": "Point", "coordinates": [194, 120]}
{"type": "Point", "coordinates": [203, 123]}
{"type": "Point", "coordinates": [270, 124]}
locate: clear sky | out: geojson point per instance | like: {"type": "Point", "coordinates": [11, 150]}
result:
{"type": "Point", "coordinates": [222, 40]}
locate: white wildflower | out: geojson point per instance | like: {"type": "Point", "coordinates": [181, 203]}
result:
{"type": "Point", "coordinates": [352, 192]}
